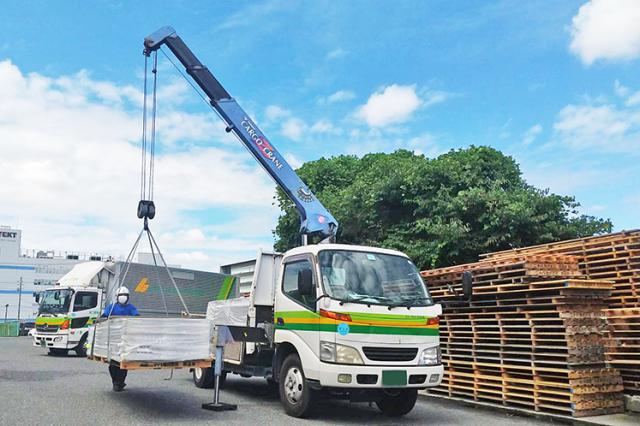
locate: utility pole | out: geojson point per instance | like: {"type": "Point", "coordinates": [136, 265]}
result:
{"type": "Point", "coordinates": [6, 308]}
{"type": "Point", "coordinates": [19, 298]}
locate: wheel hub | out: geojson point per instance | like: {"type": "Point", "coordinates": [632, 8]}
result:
{"type": "Point", "coordinates": [198, 372]}
{"type": "Point", "coordinates": [293, 385]}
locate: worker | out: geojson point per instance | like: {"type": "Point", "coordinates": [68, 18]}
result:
{"type": "Point", "coordinates": [122, 308]}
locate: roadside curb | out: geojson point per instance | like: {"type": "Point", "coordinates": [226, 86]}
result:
{"type": "Point", "coordinates": [557, 418]}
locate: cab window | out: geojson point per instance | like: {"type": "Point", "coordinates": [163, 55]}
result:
{"type": "Point", "coordinates": [85, 300]}
{"type": "Point", "coordinates": [290, 283]}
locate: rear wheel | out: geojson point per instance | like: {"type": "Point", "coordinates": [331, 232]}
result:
{"type": "Point", "coordinates": [204, 378]}
{"type": "Point", "coordinates": [296, 396]}
{"type": "Point", "coordinates": [397, 402]}
{"type": "Point", "coordinates": [58, 352]}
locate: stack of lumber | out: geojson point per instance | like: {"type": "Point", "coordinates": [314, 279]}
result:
{"type": "Point", "coordinates": [533, 337]}
{"type": "Point", "coordinates": [624, 346]}
{"type": "Point", "coordinates": [612, 257]}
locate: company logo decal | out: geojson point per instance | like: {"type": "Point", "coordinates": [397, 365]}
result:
{"type": "Point", "coordinates": [343, 329]}
{"type": "Point", "coordinates": [261, 143]}
{"type": "Point", "coordinates": [305, 195]}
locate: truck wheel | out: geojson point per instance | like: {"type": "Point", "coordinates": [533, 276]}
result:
{"type": "Point", "coordinates": [81, 350]}
{"type": "Point", "coordinates": [397, 402]}
{"type": "Point", "coordinates": [57, 352]}
{"type": "Point", "coordinates": [205, 379]}
{"type": "Point", "coordinates": [295, 394]}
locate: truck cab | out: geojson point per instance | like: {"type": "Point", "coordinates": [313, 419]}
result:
{"type": "Point", "coordinates": [67, 310]}
{"type": "Point", "coordinates": [347, 321]}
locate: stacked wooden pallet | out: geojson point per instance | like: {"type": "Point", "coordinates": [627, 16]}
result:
{"type": "Point", "coordinates": [533, 336]}
{"type": "Point", "coordinates": [613, 257]}
{"type": "Point", "coordinates": [624, 346]}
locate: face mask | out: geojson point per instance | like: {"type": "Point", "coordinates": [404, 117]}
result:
{"type": "Point", "coordinates": [122, 299]}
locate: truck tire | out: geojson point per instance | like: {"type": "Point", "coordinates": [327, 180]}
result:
{"type": "Point", "coordinates": [296, 396]}
{"type": "Point", "coordinates": [80, 350]}
{"type": "Point", "coordinates": [58, 352]}
{"type": "Point", "coordinates": [205, 379]}
{"type": "Point", "coordinates": [397, 402]}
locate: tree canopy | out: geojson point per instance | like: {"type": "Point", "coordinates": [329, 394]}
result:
{"type": "Point", "coordinates": [441, 211]}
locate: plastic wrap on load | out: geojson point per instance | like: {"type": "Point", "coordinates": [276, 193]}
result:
{"type": "Point", "coordinates": [229, 312]}
{"type": "Point", "coordinates": [153, 339]}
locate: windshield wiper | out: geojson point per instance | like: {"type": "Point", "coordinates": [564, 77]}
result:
{"type": "Point", "coordinates": [410, 302]}
{"type": "Point", "coordinates": [361, 299]}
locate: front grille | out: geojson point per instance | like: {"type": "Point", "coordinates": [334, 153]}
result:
{"type": "Point", "coordinates": [46, 328]}
{"type": "Point", "coordinates": [390, 354]}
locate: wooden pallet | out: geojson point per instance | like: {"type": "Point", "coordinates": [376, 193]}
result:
{"type": "Point", "coordinates": [154, 365]}
{"type": "Point", "coordinates": [522, 339]}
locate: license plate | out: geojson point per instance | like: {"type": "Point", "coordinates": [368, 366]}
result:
{"type": "Point", "coordinates": [43, 343]}
{"type": "Point", "coordinates": [394, 378]}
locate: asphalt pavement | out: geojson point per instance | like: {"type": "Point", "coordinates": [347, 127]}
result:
{"type": "Point", "coordinates": [38, 389]}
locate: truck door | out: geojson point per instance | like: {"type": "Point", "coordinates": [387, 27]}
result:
{"type": "Point", "coordinates": [297, 312]}
{"type": "Point", "coordinates": [86, 308]}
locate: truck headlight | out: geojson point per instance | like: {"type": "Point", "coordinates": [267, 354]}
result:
{"type": "Point", "coordinates": [339, 354]}
{"type": "Point", "coordinates": [430, 356]}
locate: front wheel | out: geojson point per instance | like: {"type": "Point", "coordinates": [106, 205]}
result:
{"type": "Point", "coordinates": [397, 402]}
{"type": "Point", "coordinates": [296, 396]}
{"type": "Point", "coordinates": [81, 349]}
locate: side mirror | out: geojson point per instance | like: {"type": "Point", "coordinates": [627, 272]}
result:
{"type": "Point", "coordinates": [56, 295]}
{"type": "Point", "coordinates": [467, 286]}
{"type": "Point", "coordinates": [37, 297]}
{"type": "Point", "coordinates": [305, 282]}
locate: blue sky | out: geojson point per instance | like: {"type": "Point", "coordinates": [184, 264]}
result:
{"type": "Point", "coordinates": [556, 84]}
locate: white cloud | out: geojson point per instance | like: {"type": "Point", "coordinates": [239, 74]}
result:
{"type": "Point", "coordinates": [293, 128]}
{"type": "Point", "coordinates": [340, 96]}
{"type": "Point", "coordinates": [531, 134]}
{"type": "Point", "coordinates": [620, 90]}
{"type": "Point", "coordinates": [393, 104]}
{"type": "Point", "coordinates": [598, 126]}
{"type": "Point", "coordinates": [606, 29]}
{"type": "Point", "coordinates": [325, 126]}
{"type": "Point", "coordinates": [433, 97]}
{"type": "Point", "coordinates": [70, 167]}
{"type": "Point", "coordinates": [275, 112]}
{"type": "Point", "coordinates": [293, 161]}
{"type": "Point", "coordinates": [337, 53]}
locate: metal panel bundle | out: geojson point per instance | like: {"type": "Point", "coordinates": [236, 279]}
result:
{"type": "Point", "coordinates": [533, 336]}
{"type": "Point", "coordinates": [136, 342]}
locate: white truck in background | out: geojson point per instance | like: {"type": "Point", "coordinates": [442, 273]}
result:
{"type": "Point", "coordinates": [70, 307]}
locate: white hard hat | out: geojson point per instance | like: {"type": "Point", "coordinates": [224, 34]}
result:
{"type": "Point", "coordinates": [122, 291]}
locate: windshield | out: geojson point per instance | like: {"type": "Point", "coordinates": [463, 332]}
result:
{"type": "Point", "coordinates": [372, 278]}
{"type": "Point", "coordinates": [55, 301]}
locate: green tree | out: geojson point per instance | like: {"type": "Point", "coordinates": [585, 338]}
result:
{"type": "Point", "coordinates": [441, 211]}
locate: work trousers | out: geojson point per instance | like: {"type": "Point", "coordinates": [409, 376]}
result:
{"type": "Point", "coordinates": [117, 374]}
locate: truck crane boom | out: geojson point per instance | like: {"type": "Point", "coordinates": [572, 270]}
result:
{"type": "Point", "coordinates": [315, 219]}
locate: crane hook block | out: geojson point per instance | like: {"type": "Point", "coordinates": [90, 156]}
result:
{"type": "Point", "coordinates": [146, 209]}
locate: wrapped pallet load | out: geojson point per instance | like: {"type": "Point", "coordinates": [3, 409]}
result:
{"type": "Point", "coordinates": [136, 339]}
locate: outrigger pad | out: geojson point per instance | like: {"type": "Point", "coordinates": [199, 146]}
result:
{"type": "Point", "coordinates": [220, 406]}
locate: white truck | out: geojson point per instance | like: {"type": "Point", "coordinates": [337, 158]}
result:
{"type": "Point", "coordinates": [68, 309]}
{"type": "Point", "coordinates": [345, 321]}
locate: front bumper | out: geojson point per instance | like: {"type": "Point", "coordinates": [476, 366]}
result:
{"type": "Point", "coordinates": [370, 376]}
{"type": "Point", "coordinates": [57, 341]}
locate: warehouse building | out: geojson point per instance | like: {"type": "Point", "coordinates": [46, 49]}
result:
{"type": "Point", "coordinates": [24, 272]}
